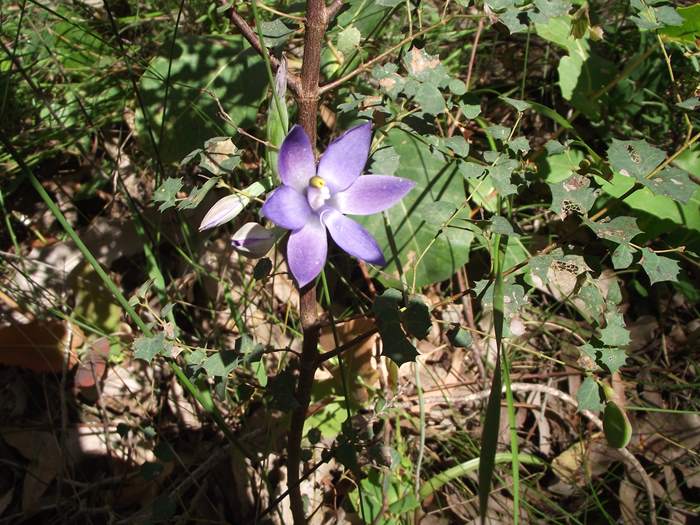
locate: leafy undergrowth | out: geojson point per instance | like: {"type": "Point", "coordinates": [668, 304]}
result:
{"type": "Point", "coordinates": [549, 249]}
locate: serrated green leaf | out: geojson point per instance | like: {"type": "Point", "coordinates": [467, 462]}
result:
{"type": "Point", "coordinates": [610, 359]}
{"type": "Point", "coordinates": [501, 173]}
{"type": "Point", "coordinates": [470, 111]}
{"type": "Point", "coordinates": [430, 99]}
{"type": "Point", "coordinates": [620, 230]}
{"type": "Point", "coordinates": [588, 396]}
{"type": "Point", "coordinates": [672, 182]}
{"type": "Point", "coordinates": [197, 195]}
{"type": "Point", "coordinates": [166, 193]}
{"type": "Point", "coordinates": [690, 103]}
{"type": "Point", "coordinates": [425, 68]}
{"type": "Point", "coordinates": [572, 195]}
{"type": "Point", "coordinates": [220, 363]}
{"type": "Point", "coordinates": [689, 31]}
{"type": "Point", "coordinates": [658, 267]}
{"type": "Point", "coordinates": [634, 158]}
{"type": "Point", "coordinates": [615, 333]}
{"type": "Point", "coordinates": [146, 348]}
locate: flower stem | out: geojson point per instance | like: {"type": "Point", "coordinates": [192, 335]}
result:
{"type": "Point", "coordinates": [307, 99]}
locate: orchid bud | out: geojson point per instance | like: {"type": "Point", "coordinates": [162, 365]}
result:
{"type": "Point", "coordinates": [253, 240]}
{"type": "Point", "coordinates": [223, 211]}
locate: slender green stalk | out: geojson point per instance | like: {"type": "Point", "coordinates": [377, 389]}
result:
{"type": "Point", "coordinates": [202, 397]}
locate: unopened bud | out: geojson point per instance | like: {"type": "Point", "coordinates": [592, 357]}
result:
{"type": "Point", "coordinates": [253, 240]}
{"type": "Point", "coordinates": [223, 211]}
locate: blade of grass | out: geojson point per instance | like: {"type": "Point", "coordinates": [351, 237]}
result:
{"type": "Point", "coordinates": [203, 397]}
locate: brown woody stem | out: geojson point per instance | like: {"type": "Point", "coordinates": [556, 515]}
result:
{"type": "Point", "coordinates": [307, 98]}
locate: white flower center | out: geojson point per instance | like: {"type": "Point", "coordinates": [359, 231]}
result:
{"type": "Point", "coordinates": [317, 193]}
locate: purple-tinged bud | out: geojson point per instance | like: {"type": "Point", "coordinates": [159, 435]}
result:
{"type": "Point", "coordinates": [253, 240]}
{"type": "Point", "coordinates": [223, 211]}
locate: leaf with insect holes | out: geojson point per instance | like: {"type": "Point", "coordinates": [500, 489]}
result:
{"type": "Point", "coordinates": [146, 348]}
{"type": "Point", "coordinates": [572, 195]}
{"type": "Point", "coordinates": [672, 182]}
{"type": "Point", "coordinates": [658, 267]}
{"type": "Point", "coordinates": [620, 230]}
{"type": "Point", "coordinates": [588, 396]}
{"type": "Point", "coordinates": [425, 68]}
{"type": "Point", "coordinates": [634, 158]}
{"type": "Point", "coordinates": [615, 333]}
{"type": "Point", "coordinates": [166, 193]}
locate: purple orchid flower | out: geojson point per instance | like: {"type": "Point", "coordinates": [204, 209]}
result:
{"type": "Point", "coordinates": [311, 200]}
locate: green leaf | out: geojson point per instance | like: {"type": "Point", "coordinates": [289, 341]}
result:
{"type": "Point", "coordinates": [690, 103]}
{"type": "Point", "coordinates": [385, 161]}
{"type": "Point", "coordinates": [634, 158]}
{"type": "Point", "coordinates": [275, 32]}
{"type": "Point", "coordinates": [610, 359]}
{"type": "Point", "coordinates": [201, 66]}
{"type": "Point", "coordinates": [220, 363]}
{"type": "Point", "coordinates": [622, 257]}
{"type": "Point", "coordinates": [501, 173]}
{"type": "Point", "coordinates": [416, 318]}
{"type": "Point", "coordinates": [658, 267]}
{"type": "Point", "coordinates": [588, 396]}
{"type": "Point", "coordinates": [459, 337]}
{"type": "Point", "coordinates": [616, 426]}
{"type": "Point", "coordinates": [615, 333]}
{"type": "Point", "coordinates": [425, 68]}
{"type": "Point", "coordinates": [689, 30]}
{"type": "Point", "coordinates": [572, 195]}
{"type": "Point", "coordinates": [197, 195]}
{"type": "Point", "coordinates": [429, 98]}
{"type": "Point", "coordinates": [219, 156]}
{"type": "Point", "coordinates": [620, 230]}
{"type": "Point", "coordinates": [166, 193]}
{"type": "Point", "coordinates": [388, 318]}
{"type": "Point", "coordinates": [348, 39]}
{"type": "Point", "coordinates": [415, 223]}
{"type": "Point", "coordinates": [146, 348]}
{"type": "Point", "coordinates": [672, 182]}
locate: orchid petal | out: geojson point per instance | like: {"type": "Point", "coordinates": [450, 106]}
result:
{"type": "Point", "coordinates": [223, 211]}
{"type": "Point", "coordinates": [296, 163]}
{"type": "Point", "coordinates": [345, 158]}
{"type": "Point", "coordinates": [287, 208]}
{"type": "Point", "coordinates": [253, 240]}
{"type": "Point", "coordinates": [306, 251]}
{"type": "Point", "coordinates": [352, 237]}
{"type": "Point", "coordinates": [371, 194]}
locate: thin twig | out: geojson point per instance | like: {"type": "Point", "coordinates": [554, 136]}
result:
{"type": "Point", "coordinates": [252, 38]}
